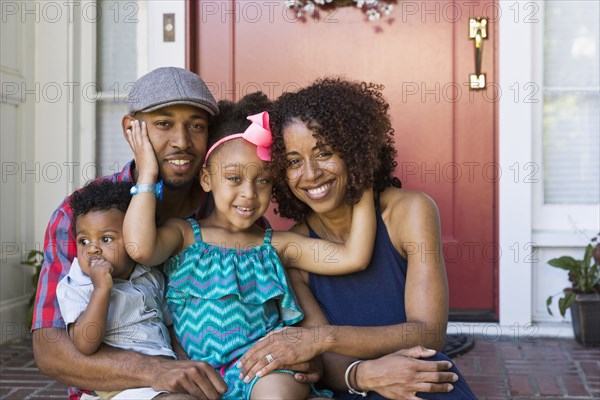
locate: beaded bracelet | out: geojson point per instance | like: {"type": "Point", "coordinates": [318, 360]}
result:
{"type": "Point", "coordinates": [156, 188]}
{"type": "Point", "coordinates": [351, 390]}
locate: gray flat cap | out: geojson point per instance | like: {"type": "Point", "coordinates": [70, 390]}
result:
{"type": "Point", "coordinates": [168, 86]}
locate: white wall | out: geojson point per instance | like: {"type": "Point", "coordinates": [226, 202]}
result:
{"type": "Point", "coordinates": [164, 54]}
{"type": "Point", "coordinates": [541, 232]}
{"type": "Point", "coordinates": [17, 59]}
{"type": "Point", "coordinates": [515, 150]}
{"type": "Point", "coordinates": [46, 132]}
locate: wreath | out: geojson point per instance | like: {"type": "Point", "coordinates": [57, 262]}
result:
{"type": "Point", "coordinates": [373, 9]}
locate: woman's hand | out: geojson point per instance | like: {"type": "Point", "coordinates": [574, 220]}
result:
{"type": "Point", "coordinates": [287, 346]}
{"type": "Point", "coordinates": [401, 375]}
{"type": "Point", "coordinates": [143, 152]}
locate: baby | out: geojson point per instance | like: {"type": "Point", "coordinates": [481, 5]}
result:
{"type": "Point", "coordinates": [107, 297]}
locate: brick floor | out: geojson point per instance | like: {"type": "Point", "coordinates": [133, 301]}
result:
{"type": "Point", "coordinates": [536, 368]}
{"type": "Point", "coordinates": [20, 379]}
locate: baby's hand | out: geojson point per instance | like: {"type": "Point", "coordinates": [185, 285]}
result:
{"type": "Point", "coordinates": [145, 159]}
{"type": "Point", "coordinates": [100, 273]}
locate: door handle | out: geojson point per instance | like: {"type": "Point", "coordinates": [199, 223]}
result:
{"type": "Point", "coordinates": [477, 32]}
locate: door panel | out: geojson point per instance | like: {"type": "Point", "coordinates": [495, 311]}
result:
{"type": "Point", "coordinates": [445, 134]}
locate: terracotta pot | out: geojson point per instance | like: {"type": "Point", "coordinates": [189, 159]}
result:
{"type": "Point", "coordinates": [585, 315]}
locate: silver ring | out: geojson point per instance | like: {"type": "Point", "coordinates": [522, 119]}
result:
{"type": "Point", "coordinates": [269, 358]}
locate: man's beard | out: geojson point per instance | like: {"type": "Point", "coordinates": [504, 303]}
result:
{"type": "Point", "coordinates": [180, 184]}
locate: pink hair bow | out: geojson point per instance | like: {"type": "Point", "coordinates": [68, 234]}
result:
{"type": "Point", "coordinates": [258, 133]}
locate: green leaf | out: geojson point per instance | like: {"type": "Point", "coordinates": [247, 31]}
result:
{"type": "Point", "coordinates": [548, 303]}
{"type": "Point", "coordinates": [565, 302]}
{"type": "Point", "coordinates": [565, 262]}
{"type": "Point", "coordinates": [587, 258]}
{"type": "Point", "coordinates": [594, 276]}
{"type": "Point", "coordinates": [582, 281]}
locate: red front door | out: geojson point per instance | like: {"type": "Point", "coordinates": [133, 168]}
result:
{"type": "Point", "coordinates": [445, 133]}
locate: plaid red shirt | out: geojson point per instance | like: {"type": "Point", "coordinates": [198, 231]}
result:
{"type": "Point", "coordinates": [60, 248]}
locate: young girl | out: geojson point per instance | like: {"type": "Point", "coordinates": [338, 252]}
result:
{"type": "Point", "coordinates": [227, 287]}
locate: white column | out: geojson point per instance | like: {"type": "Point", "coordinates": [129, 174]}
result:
{"type": "Point", "coordinates": [515, 150]}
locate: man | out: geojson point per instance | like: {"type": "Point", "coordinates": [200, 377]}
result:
{"type": "Point", "coordinates": [176, 106]}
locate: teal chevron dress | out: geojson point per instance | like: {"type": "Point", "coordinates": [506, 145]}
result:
{"type": "Point", "coordinates": [223, 300]}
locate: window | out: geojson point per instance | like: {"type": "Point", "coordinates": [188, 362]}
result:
{"type": "Point", "coordinates": [129, 42]}
{"type": "Point", "coordinates": [119, 46]}
{"type": "Point", "coordinates": [566, 139]}
{"type": "Point", "coordinates": [570, 116]}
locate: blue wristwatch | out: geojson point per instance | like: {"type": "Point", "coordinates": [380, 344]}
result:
{"type": "Point", "coordinates": [156, 188]}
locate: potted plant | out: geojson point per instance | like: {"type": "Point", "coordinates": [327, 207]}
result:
{"type": "Point", "coordinates": [35, 259]}
{"type": "Point", "coordinates": [583, 297]}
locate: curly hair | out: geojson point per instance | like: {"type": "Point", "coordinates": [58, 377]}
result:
{"type": "Point", "coordinates": [100, 195]}
{"type": "Point", "coordinates": [232, 116]}
{"type": "Point", "coordinates": [353, 119]}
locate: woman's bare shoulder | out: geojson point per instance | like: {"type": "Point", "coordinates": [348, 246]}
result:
{"type": "Point", "coordinates": [408, 214]}
{"type": "Point", "coordinates": [402, 202]}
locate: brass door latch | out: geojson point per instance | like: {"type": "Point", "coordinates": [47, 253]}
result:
{"type": "Point", "coordinates": [477, 32]}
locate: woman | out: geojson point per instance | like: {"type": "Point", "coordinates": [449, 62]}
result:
{"type": "Point", "coordinates": [333, 140]}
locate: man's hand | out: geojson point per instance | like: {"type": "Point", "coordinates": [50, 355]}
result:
{"type": "Point", "coordinates": [401, 375]}
{"type": "Point", "coordinates": [192, 377]}
{"type": "Point", "coordinates": [117, 369]}
{"type": "Point", "coordinates": [308, 372]}
{"type": "Point", "coordinates": [143, 152]}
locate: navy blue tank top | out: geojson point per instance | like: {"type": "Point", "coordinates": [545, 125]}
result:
{"type": "Point", "coordinates": [373, 297]}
